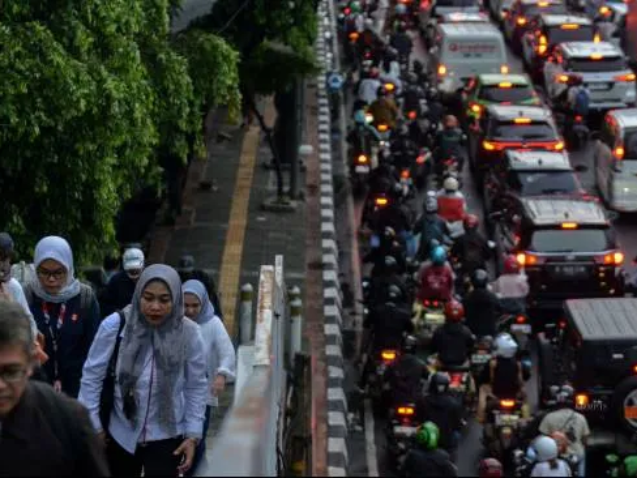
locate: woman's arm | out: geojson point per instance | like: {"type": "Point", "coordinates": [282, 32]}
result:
{"type": "Point", "coordinates": [96, 366]}
{"type": "Point", "coordinates": [226, 358]}
{"type": "Point", "coordinates": [195, 386]}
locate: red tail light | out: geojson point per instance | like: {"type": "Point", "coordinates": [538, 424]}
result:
{"type": "Point", "coordinates": [455, 379]}
{"type": "Point", "coordinates": [411, 115]}
{"type": "Point", "coordinates": [562, 324]}
{"type": "Point", "coordinates": [405, 174]}
{"type": "Point", "coordinates": [426, 302]}
{"type": "Point", "coordinates": [347, 11]}
{"type": "Point", "coordinates": [520, 319]}
{"type": "Point", "coordinates": [435, 303]}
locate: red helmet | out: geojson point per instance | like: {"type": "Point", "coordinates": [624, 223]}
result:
{"type": "Point", "coordinates": [454, 311]}
{"type": "Point", "coordinates": [511, 265]}
{"type": "Point", "coordinates": [471, 221]}
{"type": "Point", "coordinates": [490, 468]}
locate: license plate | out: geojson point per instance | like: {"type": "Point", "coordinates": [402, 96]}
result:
{"type": "Point", "coordinates": [599, 86]}
{"type": "Point", "coordinates": [480, 358]}
{"type": "Point", "coordinates": [504, 420]}
{"type": "Point", "coordinates": [404, 431]}
{"type": "Point", "coordinates": [630, 413]}
{"type": "Point", "coordinates": [434, 318]}
{"type": "Point", "coordinates": [361, 168]}
{"type": "Point", "coordinates": [523, 328]}
{"type": "Point", "coordinates": [570, 271]}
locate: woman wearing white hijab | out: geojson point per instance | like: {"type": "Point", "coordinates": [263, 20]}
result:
{"type": "Point", "coordinates": [160, 384]}
{"type": "Point", "coordinates": [65, 311]}
{"type": "Point", "coordinates": [220, 353]}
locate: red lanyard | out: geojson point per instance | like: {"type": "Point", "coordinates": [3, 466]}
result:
{"type": "Point", "coordinates": [54, 332]}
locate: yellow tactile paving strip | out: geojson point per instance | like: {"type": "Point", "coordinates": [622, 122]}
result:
{"type": "Point", "coordinates": [235, 237]}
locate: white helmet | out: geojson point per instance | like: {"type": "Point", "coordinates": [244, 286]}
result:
{"type": "Point", "coordinates": [505, 346]}
{"type": "Point", "coordinates": [545, 448]}
{"type": "Point", "coordinates": [369, 23]}
{"type": "Point", "coordinates": [451, 184]}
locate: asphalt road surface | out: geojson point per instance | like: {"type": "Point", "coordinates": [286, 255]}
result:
{"type": "Point", "coordinates": [367, 450]}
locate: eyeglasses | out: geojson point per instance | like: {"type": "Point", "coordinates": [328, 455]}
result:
{"type": "Point", "coordinates": [56, 274]}
{"type": "Point", "coordinates": [13, 375]}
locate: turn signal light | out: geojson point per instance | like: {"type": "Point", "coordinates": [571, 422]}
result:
{"type": "Point", "coordinates": [381, 201]}
{"type": "Point", "coordinates": [521, 21]}
{"type": "Point", "coordinates": [559, 146]}
{"type": "Point", "coordinates": [390, 86]}
{"type": "Point", "coordinates": [405, 411]}
{"type": "Point", "coordinates": [581, 400]}
{"type": "Point", "coordinates": [388, 355]}
{"type": "Point", "coordinates": [442, 70]}
{"type": "Point", "coordinates": [353, 36]}
{"type": "Point", "coordinates": [526, 259]}
{"type": "Point", "coordinates": [476, 108]}
{"type": "Point", "coordinates": [362, 159]}
{"type": "Point", "coordinates": [604, 10]}
{"type": "Point", "coordinates": [562, 78]}
{"type": "Point", "coordinates": [405, 174]}
{"type": "Point", "coordinates": [504, 69]}
{"type": "Point", "coordinates": [628, 78]}
{"type": "Point", "coordinates": [619, 152]}
{"type": "Point", "coordinates": [383, 127]}
{"type": "Point", "coordinates": [634, 368]}
{"type": "Point", "coordinates": [507, 403]}
{"type": "Point", "coordinates": [614, 258]}
{"type": "Point", "coordinates": [489, 146]}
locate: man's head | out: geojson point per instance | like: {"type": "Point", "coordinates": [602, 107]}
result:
{"type": "Point", "coordinates": [17, 355]}
{"type": "Point", "coordinates": [6, 253]}
{"type": "Point", "coordinates": [186, 264]}
{"type": "Point", "coordinates": [133, 262]}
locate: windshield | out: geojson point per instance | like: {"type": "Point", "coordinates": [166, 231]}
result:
{"type": "Point", "coordinates": [525, 132]}
{"type": "Point", "coordinates": [570, 241]}
{"type": "Point", "coordinates": [586, 65]}
{"type": "Point", "coordinates": [536, 183]}
{"type": "Point", "coordinates": [630, 145]}
{"type": "Point", "coordinates": [455, 3]}
{"type": "Point", "coordinates": [558, 35]}
{"type": "Point", "coordinates": [532, 10]}
{"type": "Point", "coordinates": [514, 95]}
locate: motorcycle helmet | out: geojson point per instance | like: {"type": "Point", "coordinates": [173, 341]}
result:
{"type": "Point", "coordinates": [454, 311]}
{"type": "Point", "coordinates": [360, 118]}
{"type": "Point", "coordinates": [505, 346]}
{"type": "Point", "coordinates": [471, 221]}
{"type": "Point", "coordinates": [368, 24]}
{"type": "Point", "coordinates": [450, 122]}
{"type": "Point", "coordinates": [480, 279]}
{"type": "Point", "coordinates": [511, 265]}
{"type": "Point", "coordinates": [401, 9]}
{"type": "Point", "coordinates": [391, 265]}
{"type": "Point", "coordinates": [394, 293]}
{"type": "Point", "coordinates": [389, 233]}
{"type": "Point", "coordinates": [439, 383]}
{"type": "Point", "coordinates": [545, 448]}
{"type": "Point", "coordinates": [409, 345]}
{"type": "Point", "coordinates": [418, 66]}
{"type": "Point", "coordinates": [490, 468]}
{"type": "Point", "coordinates": [438, 256]}
{"type": "Point", "coordinates": [355, 7]}
{"type": "Point", "coordinates": [561, 440]}
{"type": "Point", "coordinates": [187, 263]}
{"type": "Point", "coordinates": [451, 184]}
{"type": "Point", "coordinates": [431, 205]}
{"type": "Point", "coordinates": [427, 435]}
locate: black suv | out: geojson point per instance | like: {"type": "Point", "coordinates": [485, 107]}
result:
{"type": "Point", "coordinates": [566, 246]}
{"type": "Point", "coordinates": [597, 353]}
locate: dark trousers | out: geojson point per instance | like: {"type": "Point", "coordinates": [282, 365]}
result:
{"type": "Point", "coordinates": [201, 448]}
{"type": "Point", "coordinates": [156, 458]}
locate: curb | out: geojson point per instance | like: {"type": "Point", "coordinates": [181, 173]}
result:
{"type": "Point", "coordinates": [337, 454]}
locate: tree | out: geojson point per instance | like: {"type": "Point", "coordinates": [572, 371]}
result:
{"type": "Point", "coordinates": [92, 93]}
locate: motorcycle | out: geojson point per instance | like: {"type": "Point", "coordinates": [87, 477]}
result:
{"type": "Point", "coordinates": [428, 316]}
{"type": "Point", "coordinates": [506, 418]}
{"type": "Point", "coordinates": [481, 357]}
{"type": "Point", "coordinates": [373, 203]}
{"type": "Point", "coordinates": [360, 173]}
{"type": "Point", "coordinates": [400, 431]}
{"type": "Point", "coordinates": [376, 383]}
{"type": "Point", "coordinates": [522, 464]}
{"type": "Point", "coordinates": [578, 133]}
{"type": "Point", "coordinates": [519, 327]}
{"type": "Point", "coordinates": [449, 167]}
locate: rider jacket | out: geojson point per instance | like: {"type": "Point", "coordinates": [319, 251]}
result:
{"type": "Point", "coordinates": [401, 41]}
{"type": "Point", "coordinates": [388, 323]}
{"type": "Point", "coordinates": [360, 139]}
{"type": "Point", "coordinates": [425, 463]}
{"type": "Point", "coordinates": [379, 288]}
{"type": "Point", "coordinates": [449, 142]}
{"type": "Point", "coordinates": [451, 206]}
{"type": "Point", "coordinates": [472, 250]}
{"type": "Point", "coordinates": [453, 342]}
{"type": "Point", "coordinates": [392, 215]}
{"type": "Point", "coordinates": [505, 381]}
{"type": "Point", "coordinates": [429, 226]}
{"type": "Point", "coordinates": [445, 411]}
{"type": "Point", "coordinates": [404, 151]}
{"type": "Point", "coordinates": [405, 379]}
{"type": "Point", "coordinates": [384, 110]}
{"type": "Point", "coordinates": [368, 90]}
{"type": "Point", "coordinates": [436, 282]}
{"type": "Point", "coordinates": [482, 309]}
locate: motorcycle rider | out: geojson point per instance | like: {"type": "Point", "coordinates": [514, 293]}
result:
{"type": "Point", "coordinates": [564, 418]}
{"type": "Point", "coordinates": [390, 69]}
{"type": "Point", "coordinates": [490, 468]}
{"type": "Point", "coordinates": [436, 108]}
{"type": "Point", "coordinates": [452, 205]}
{"type": "Point", "coordinates": [361, 136]}
{"type": "Point", "coordinates": [436, 278]}
{"type": "Point", "coordinates": [384, 109]}
{"type": "Point", "coordinates": [430, 226]}
{"type": "Point", "coordinates": [482, 306]}
{"type": "Point", "coordinates": [472, 248]}
{"type": "Point", "coordinates": [443, 409]}
{"type": "Point", "coordinates": [453, 341]}
{"type": "Point", "coordinates": [406, 374]}
{"type": "Point", "coordinates": [368, 87]}
{"type": "Point", "coordinates": [389, 245]}
{"type": "Point", "coordinates": [505, 378]}
{"type": "Point", "coordinates": [403, 149]}
{"type": "Point", "coordinates": [388, 276]}
{"type": "Point", "coordinates": [395, 214]}
{"type": "Point", "coordinates": [426, 459]}
{"type": "Point", "coordinates": [401, 42]}
{"type": "Point", "coordinates": [512, 287]}
{"type": "Point", "coordinates": [548, 463]}
{"type": "Point", "coordinates": [420, 72]}
{"type": "Point", "coordinates": [370, 40]}
{"type": "Point", "coordinates": [450, 142]}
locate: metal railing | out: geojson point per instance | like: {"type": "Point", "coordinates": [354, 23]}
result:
{"type": "Point", "coordinates": [250, 441]}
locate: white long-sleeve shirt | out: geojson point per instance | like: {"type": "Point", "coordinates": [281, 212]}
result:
{"type": "Point", "coordinates": [220, 354]}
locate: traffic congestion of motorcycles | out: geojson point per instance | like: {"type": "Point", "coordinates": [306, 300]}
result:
{"type": "Point", "coordinates": [464, 307]}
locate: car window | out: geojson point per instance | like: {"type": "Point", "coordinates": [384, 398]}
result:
{"type": "Point", "coordinates": [535, 183]}
{"type": "Point", "coordinates": [588, 65]}
{"type": "Point", "coordinates": [513, 94]}
{"type": "Point", "coordinates": [630, 145]}
{"type": "Point", "coordinates": [531, 10]}
{"type": "Point", "coordinates": [526, 132]}
{"type": "Point", "coordinates": [571, 240]}
{"type": "Point", "coordinates": [559, 35]}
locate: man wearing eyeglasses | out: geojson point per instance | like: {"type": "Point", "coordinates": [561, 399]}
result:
{"type": "Point", "coordinates": [41, 432]}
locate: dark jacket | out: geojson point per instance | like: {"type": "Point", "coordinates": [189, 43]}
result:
{"type": "Point", "coordinates": [421, 462]}
{"type": "Point", "coordinates": [74, 339]}
{"type": "Point", "coordinates": [119, 293]}
{"type": "Point", "coordinates": [445, 411]}
{"type": "Point", "coordinates": [49, 434]}
{"type": "Point", "coordinates": [388, 323]}
{"type": "Point", "coordinates": [482, 309]}
{"type": "Point", "coordinates": [472, 249]}
{"type": "Point", "coordinates": [207, 281]}
{"type": "Point", "coordinates": [405, 378]}
{"type": "Point", "coordinates": [452, 342]}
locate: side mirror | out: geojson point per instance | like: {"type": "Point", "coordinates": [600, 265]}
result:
{"type": "Point", "coordinates": [581, 168]}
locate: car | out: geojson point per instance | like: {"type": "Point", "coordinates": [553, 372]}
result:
{"type": "Point", "coordinates": [603, 69]}
{"type": "Point", "coordinates": [485, 90]}
{"type": "Point", "coordinates": [430, 10]}
{"type": "Point", "coordinates": [510, 127]}
{"type": "Point", "coordinates": [531, 173]}
{"type": "Point", "coordinates": [463, 51]}
{"type": "Point", "coordinates": [432, 32]}
{"type": "Point", "coordinates": [596, 352]}
{"type": "Point", "coordinates": [551, 30]}
{"type": "Point", "coordinates": [521, 12]}
{"type": "Point", "coordinates": [567, 248]}
{"type": "Point", "coordinates": [615, 160]}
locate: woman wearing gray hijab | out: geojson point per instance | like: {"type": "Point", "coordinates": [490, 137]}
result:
{"type": "Point", "coordinates": [66, 312]}
{"type": "Point", "coordinates": [220, 354]}
{"type": "Point", "coordinates": [160, 382]}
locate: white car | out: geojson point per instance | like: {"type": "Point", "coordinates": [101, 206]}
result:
{"type": "Point", "coordinates": [603, 68]}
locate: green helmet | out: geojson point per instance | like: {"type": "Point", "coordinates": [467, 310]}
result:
{"type": "Point", "coordinates": [427, 435]}
{"type": "Point", "coordinates": [630, 465]}
{"type": "Point", "coordinates": [355, 7]}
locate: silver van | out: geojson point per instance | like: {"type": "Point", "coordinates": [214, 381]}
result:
{"type": "Point", "coordinates": [615, 160]}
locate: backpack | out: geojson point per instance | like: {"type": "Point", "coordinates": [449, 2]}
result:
{"type": "Point", "coordinates": [582, 100]}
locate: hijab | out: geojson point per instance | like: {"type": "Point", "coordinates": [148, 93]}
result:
{"type": "Point", "coordinates": [168, 342]}
{"type": "Point", "coordinates": [57, 249]}
{"type": "Point", "coordinates": [197, 289]}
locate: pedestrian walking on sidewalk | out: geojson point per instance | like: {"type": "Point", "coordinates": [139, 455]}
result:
{"type": "Point", "coordinates": [188, 271]}
{"type": "Point", "coordinates": [42, 433]}
{"type": "Point", "coordinates": [121, 287]}
{"type": "Point", "coordinates": [154, 415]}
{"type": "Point", "coordinates": [220, 353]}
{"type": "Point", "coordinates": [66, 313]}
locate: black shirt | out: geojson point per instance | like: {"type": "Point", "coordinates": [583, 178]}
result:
{"type": "Point", "coordinates": [452, 342]}
{"type": "Point", "coordinates": [445, 411]}
{"type": "Point", "coordinates": [49, 434]}
{"type": "Point", "coordinates": [119, 293]}
{"type": "Point", "coordinates": [421, 462]}
{"type": "Point", "coordinates": [389, 322]}
{"type": "Point", "coordinates": [482, 309]}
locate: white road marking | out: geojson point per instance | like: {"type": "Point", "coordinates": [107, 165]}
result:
{"type": "Point", "coordinates": [370, 440]}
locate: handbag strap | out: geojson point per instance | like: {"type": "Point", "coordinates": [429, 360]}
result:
{"type": "Point", "coordinates": [112, 363]}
